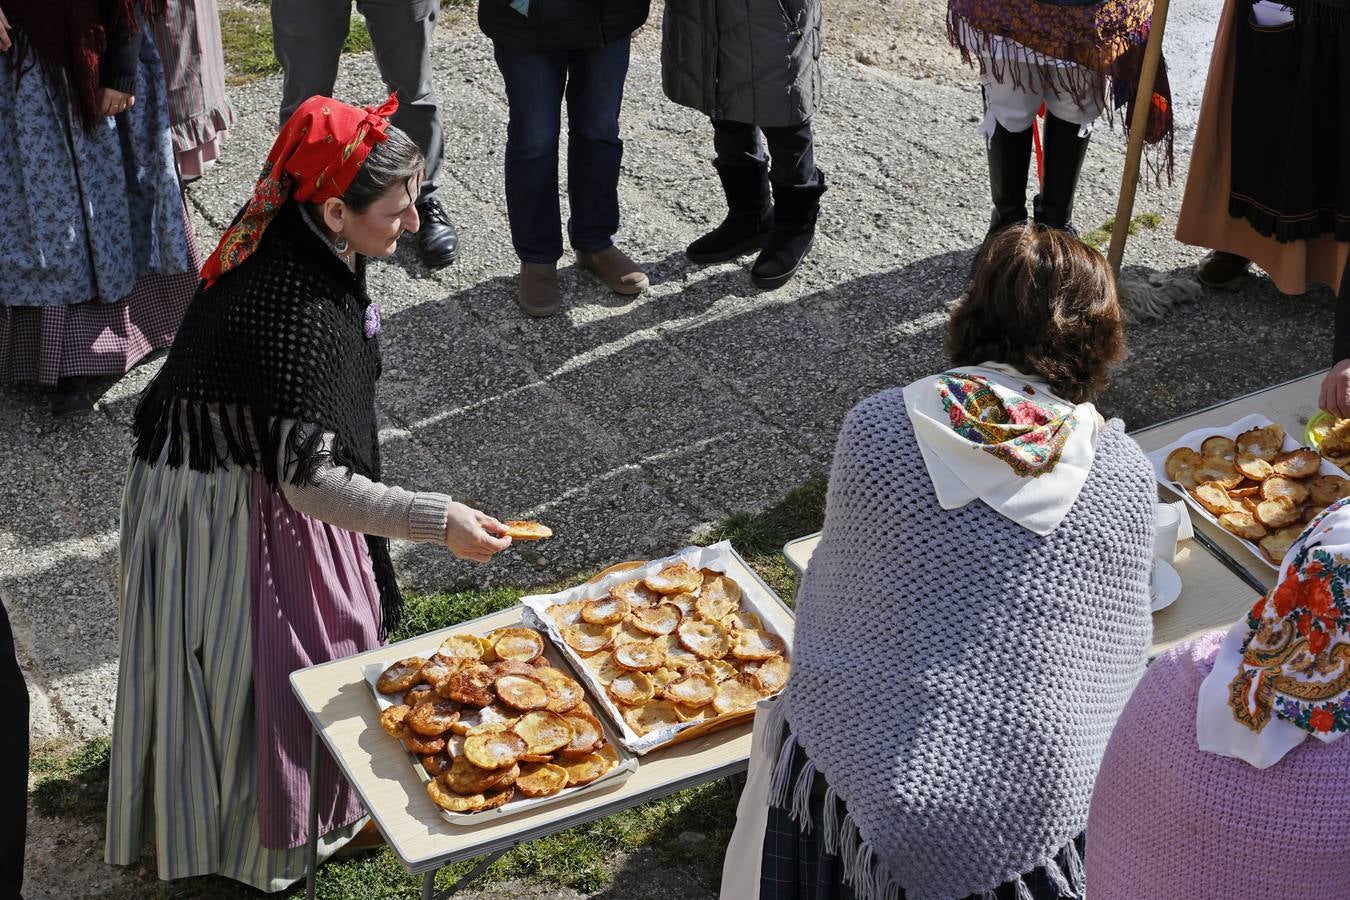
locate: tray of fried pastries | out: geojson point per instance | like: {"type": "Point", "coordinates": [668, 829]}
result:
{"type": "Point", "coordinates": [673, 648]}
{"type": "Point", "coordinates": [1253, 481]}
{"type": "Point", "coordinates": [495, 723]}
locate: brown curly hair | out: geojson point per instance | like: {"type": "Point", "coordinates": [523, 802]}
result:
{"type": "Point", "coordinates": [1045, 302]}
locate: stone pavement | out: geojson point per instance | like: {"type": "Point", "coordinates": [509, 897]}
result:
{"type": "Point", "coordinates": [629, 425]}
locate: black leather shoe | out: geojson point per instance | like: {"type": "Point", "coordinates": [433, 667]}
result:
{"type": "Point", "coordinates": [437, 242]}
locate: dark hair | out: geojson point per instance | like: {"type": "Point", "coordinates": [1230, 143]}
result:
{"type": "Point", "coordinates": [392, 161]}
{"type": "Point", "coordinates": [1045, 302]}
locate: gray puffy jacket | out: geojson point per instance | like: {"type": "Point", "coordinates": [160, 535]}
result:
{"type": "Point", "coordinates": [755, 61]}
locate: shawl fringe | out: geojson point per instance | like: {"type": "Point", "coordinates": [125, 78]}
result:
{"type": "Point", "coordinates": [1117, 62]}
{"type": "Point", "coordinates": [864, 872]}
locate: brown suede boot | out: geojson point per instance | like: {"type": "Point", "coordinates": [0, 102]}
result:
{"type": "Point", "coordinates": [537, 289]}
{"type": "Point", "coordinates": [615, 269]}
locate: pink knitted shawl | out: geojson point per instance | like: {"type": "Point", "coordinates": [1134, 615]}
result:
{"type": "Point", "coordinates": [1169, 820]}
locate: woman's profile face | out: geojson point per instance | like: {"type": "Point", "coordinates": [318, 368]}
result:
{"type": "Point", "coordinates": [376, 231]}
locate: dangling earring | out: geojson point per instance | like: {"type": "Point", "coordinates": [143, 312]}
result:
{"type": "Point", "coordinates": [340, 244]}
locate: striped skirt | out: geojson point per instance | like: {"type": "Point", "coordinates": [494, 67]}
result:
{"type": "Point", "coordinates": [225, 591]}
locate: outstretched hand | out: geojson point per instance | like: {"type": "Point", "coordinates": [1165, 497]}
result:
{"type": "Point", "coordinates": [1335, 396]}
{"type": "Point", "coordinates": [470, 534]}
{"type": "Point", "coordinates": [5, 42]}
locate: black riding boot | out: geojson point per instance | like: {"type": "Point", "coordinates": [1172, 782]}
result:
{"type": "Point", "coordinates": [1064, 155]}
{"type": "Point", "coordinates": [1009, 159]}
{"type": "Point", "coordinates": [795, 210]}
{"type": "Point", "coordinates": [749, 216]}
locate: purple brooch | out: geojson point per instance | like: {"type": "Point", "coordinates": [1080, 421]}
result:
{"type": "Point", "coordinates": [372, 322]}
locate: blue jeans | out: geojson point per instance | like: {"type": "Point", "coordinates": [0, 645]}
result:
{"type": "Point", "coordinates": [536, 83]}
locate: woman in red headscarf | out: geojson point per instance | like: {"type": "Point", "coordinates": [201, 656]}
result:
{"type": "Point", "coordinates": [255, 526]}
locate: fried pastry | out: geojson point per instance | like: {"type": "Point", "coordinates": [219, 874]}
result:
{"type": "Point", "coordinates": [606, 610]}
{"type": "Point", "coordinates": [461, 646]}
{"type": "Point", "coordinates": [706, 640]}
{"type": "Point", "coordinates": [736, 694]}
{"type": "Point", "coordinates": [1254, 467]}
{"type": "Point", "coordinates": [394, 720]}
{"type": "Point", "coordinates": [1280, 486]}
{"type": "Point", "coordinates": [438, 668]}
{"type": "Point", "coordinates": [520, 644]}
{"type": "Point", "coordinates": [631, 688]}
{"type": "Point", "coordinates": [771, 675]}
{"type": "Point", "coordinates": [420, 693]}
{"type": "Point", "coordinates": [651, 716]}
{"type": "Point", "coordinates": [1243, 524]}
{"type": "Point", "coordinates": [401, 675]}
{"type": "Point", "coordinates": [541, 780]}
{"type": "Point", "coordinates": [543, 732]}
{"type": "Point", "coordinates": [676, 578]}
{"type": "Point", "coordinates": [517, 530]}
{"type": "Point", "coordinates": [521, 692]}
{"type": "Point", "coordinates": [587, 735]}
{"type": "Point", "coordinates": [433, 719]}
{"type": "Point", "coordinates": [563, 691]}
{"type": "Point", "coordinates": [471, 685]}
{"type": "Point", "coordinates": [465, 777]}
{"type": "Point", "coordinates": [1181, 464]}
{"type": "Point", "coordinates": [757, 644]}
{"type": "Point", "coordinates": [643, 657]}
{"type": "Point", "coordinates": [565, 614]}
{"type": "Point", "coordinates": [1265, 442]}
{"type": "Point", "coordinates": [494, 751]}
{"type": "Point", "coordinates": [1215, 499]}
{"type": "Point", "coordinates": [691, 690]}
{"type": "Point", "coordinates": [718, 598]}
{"type": "Point", "coordinates": [422, 745]}
{"type": "Point", "coordinates": [585, 769]}
{"type": "Point", "coordinates": [1301, 463]}
{"type": "Point", "coordinates": [659, 620]}
{"type": "Point", "coordinates": [1336, 439]}
{"type": "Point", "coordinates": [1277, 513]}
{"type": "Point", "coordinates": [1219, 447]}
{"type": "Point", "coordinates": [1327, 489]}
{"type": "Point", "coordinates": [636, 594]}
{"type": "Point", "coordinates": [585, 637]}
{"type": "Point", "coordinates": [1218, 471]}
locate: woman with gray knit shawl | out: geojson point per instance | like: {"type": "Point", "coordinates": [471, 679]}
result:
{"type": "Point", "coordinates": [976, 615]}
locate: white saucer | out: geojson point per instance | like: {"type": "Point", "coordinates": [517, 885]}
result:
{"type": "Point", "coordinates": [1166, 584]}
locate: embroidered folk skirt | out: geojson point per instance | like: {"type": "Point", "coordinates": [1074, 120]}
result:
{"type": "Point", "coordinates": [1206, 220]}
{"type": "Point", "coordinates": [225, 591]}
{"type": "Point", "coordinates": [1291, 129]}
{"type": "Point", "coordinates": [97, 261]}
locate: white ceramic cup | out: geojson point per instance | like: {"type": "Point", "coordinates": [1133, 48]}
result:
{"type": "Point", "coordinates": [1168, 520]}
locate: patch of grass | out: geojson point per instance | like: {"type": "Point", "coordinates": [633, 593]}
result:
{"type": "Point", "coordinates": [760, 536]}
{"type": "Point", "coordinates": [246, 37]}
{"type": "Point", "coordinates": [1099, 238]}
{"type": "Point", "coordinates": [72, 784]}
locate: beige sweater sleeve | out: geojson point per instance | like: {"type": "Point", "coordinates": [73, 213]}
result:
{"type": "Point", "coordinates": [341, 497]}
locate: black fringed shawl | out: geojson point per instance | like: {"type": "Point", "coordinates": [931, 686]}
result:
{"type": "Point", "coordinates": [280, 337]}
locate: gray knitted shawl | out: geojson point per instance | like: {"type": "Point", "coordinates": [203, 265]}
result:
{"type": "Point", "coordinates": [955, 676]}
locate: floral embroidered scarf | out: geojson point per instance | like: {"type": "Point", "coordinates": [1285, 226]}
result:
{"type": "Point", "coordinates": [1283, 672]}
{"type": "Point", "coordinates": [1028, 434]}
{"type": "Point", "coordinates": [994, 434]}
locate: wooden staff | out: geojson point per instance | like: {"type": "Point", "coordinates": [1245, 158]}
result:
{"type": "Point", "coordinates": [1143, 101]}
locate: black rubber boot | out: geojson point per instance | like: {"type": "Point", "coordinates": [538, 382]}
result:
{"type": "Point", "coordinates": [1064, 155]}
{"type": "Point", "coordinates": [1009, 160]}
{"type": "Point", "coordinates": [749, 216]}
{"type": "Point", "coordinates": [795, 210]}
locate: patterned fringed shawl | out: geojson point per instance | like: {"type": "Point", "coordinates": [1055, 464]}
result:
{"type": "Point", "coordinates": [1104, 38]}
